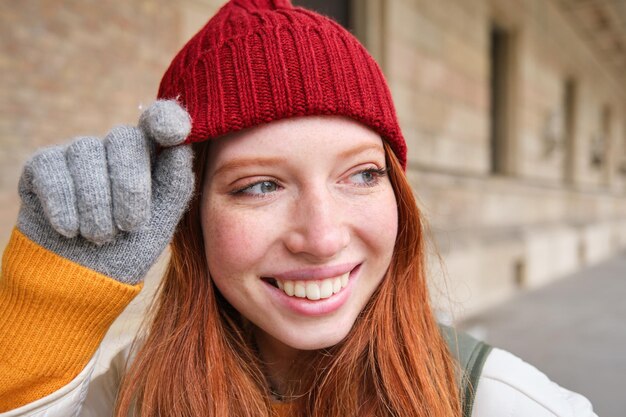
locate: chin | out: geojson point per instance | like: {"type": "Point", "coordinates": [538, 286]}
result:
{"type": "Point", "coordinates": [314, 339]}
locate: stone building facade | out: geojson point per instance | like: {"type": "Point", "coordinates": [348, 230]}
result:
{"type": "Point", "coordinates": [514, 112]}
{"type": "Point", "coordinates": [515, 115]}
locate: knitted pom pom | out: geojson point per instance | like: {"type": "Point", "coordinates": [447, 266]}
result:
{"type": "Point", "coordinates": [166, 122]}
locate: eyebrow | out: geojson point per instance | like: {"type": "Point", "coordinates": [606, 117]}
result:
{"type": "Point", "coordinates": [257, 161]}
{"type": "Point", "coordinates": [362, 148]}
{"type": "Point", "coordinates": [245, 162]}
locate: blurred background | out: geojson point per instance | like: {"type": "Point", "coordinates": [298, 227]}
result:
{"type": "Point", "coordinates": [515, 116]}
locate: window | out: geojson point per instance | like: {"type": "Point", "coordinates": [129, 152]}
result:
{"type": "Point", "coordinates": [606, 143]}
{"type": "Point", "coordinates": [339, 10]}
{"type": "Point", "coordinates": [501, 68]}
{"type": "Point", "coordinates": [569, 112]}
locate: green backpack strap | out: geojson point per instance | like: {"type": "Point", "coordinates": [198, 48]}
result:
{"type": "Point", "coordinates": [471, 355]}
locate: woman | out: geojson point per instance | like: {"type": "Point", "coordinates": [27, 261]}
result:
{"type": "Point", "coordinates": [296, 284]}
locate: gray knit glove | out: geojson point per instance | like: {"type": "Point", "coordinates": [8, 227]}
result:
{"type": "Point", "coordinates": [111, 205]}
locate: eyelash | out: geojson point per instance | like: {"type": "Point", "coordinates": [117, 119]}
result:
{"type": "Point", "coordinates": [378, 173]}
{"type": "Point", "coordinates": [242, 191]}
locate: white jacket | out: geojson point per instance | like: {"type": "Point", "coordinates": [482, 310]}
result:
{"type": "Point", "coordinates": [508, 387]}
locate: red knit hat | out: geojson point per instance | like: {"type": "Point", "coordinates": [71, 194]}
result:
{"type": "Point", "coordinates": [257, 61]}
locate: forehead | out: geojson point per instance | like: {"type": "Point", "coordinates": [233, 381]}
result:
{"type": "Point", "coordinates": [299, 135]}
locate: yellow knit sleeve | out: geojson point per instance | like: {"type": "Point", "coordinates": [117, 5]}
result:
{"type": "Point", "coordinates": [53, 315]}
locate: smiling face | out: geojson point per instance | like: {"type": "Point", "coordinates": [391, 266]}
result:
{"type": "Point", "coordinates": [299, 222]}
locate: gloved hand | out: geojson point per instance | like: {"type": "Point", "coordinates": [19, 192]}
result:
{"type": "Point", "coordinates": [111, 205]}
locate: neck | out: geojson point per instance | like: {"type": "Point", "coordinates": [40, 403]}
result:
{"type": "Point", "coordinates": [279, 360]}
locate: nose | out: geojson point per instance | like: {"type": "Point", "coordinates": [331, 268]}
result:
{"type": "Point", "coordinates": [318, 228]}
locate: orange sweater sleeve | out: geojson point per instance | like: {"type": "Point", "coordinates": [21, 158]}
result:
{"type": "Point", "coordinates": [53, 315]}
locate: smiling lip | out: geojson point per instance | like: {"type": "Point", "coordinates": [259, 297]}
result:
{"type": "Point", "coordinates": [315, 273]}
{"type": "Point", "coordinates": [303, 304]}
{"type": "Point", "coordinates": [312, 283]}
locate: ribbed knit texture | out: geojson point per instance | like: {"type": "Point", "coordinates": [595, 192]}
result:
{"type": "Point", "coordinates": [263, 60]}
{"type": "Point", "coordinates": [53, 315]}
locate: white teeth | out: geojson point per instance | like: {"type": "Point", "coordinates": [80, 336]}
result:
{"type": "Point", "coordinates": [326, 289]}
{"type": "Point", "coordinates": [300, 289]}
{"type": "Point", "coordinates": [314, 289]}
{"type": "Point", "coordinates": [288, 288]}
{"type": "Point", "coordinates": [344, 280]}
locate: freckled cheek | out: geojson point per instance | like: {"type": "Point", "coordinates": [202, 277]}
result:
{"type": "Point", "coordinates": [378, 223]}
{"type": "Point", "coordinates": [387, 233]}
{"type": "Point", "coordinates": [234, 244]}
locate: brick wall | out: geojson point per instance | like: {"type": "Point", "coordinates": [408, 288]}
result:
{"type": "Point", "coordinates": [437, 55]}
{"type": "Point", "coordinates": [437, 60]}
{"type": "Point", "coordinates": [499, 233]}
{"type": "Point", "coordinates": [71, 68]}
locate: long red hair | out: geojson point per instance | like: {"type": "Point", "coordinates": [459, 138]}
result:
{"type": "Point", "coordinates": [198, 357]}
